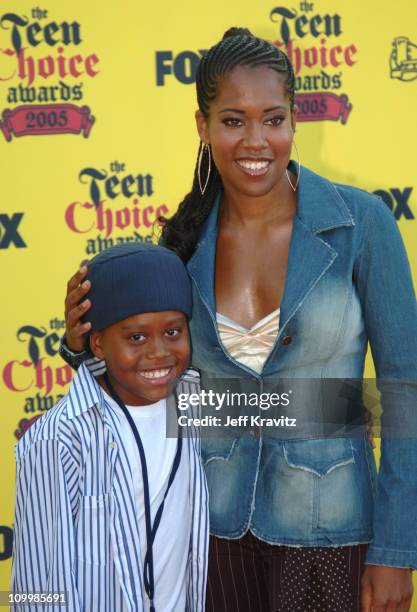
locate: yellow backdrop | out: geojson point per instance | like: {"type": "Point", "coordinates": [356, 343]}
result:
{"type": "Point", "coordinates": [97, 138]}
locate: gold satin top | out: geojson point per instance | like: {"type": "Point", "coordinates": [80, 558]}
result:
{"type": "Point", "coordinates": [249, 346]}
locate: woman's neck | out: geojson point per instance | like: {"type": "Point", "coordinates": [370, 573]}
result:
{"type": "Point", "coordinates": [241, 209]}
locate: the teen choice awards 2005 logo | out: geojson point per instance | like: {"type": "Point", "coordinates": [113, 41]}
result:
{"type": "Point", "coordinates": [316, 47]}
{"type": "Point", "coordinates": [43, 65]}
{"type": "Point", "coordinates": [35, 372]}
{"type": "Point", "coordinates": [118, 208]}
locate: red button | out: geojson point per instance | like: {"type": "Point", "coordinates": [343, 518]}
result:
{"type": "Point", "coordinates": [286, 340]}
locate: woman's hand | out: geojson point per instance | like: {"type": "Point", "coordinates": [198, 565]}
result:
{"type": "Point", "coordinates": [75, 330]}
{"type": "Point", "coordinates": [386, 589]}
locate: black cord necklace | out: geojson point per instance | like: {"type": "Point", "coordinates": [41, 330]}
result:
{"type": "Point", "coordinates": [148, 567]}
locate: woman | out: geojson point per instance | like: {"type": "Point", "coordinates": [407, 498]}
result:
{"type": "Point", "coordinates": [292, 276]}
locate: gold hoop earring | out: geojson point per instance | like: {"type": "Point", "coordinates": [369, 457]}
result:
{"type": "Point", "coordinates": [200, 160]}
{"type": "Point", "coordinates": [299, 169]}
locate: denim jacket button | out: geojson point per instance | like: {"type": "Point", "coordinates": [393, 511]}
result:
{"type": "Point", "coordinates": [286, 340]}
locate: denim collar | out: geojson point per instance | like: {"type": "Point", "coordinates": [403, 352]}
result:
{"type": "Point", "coordinates": [320, 207]}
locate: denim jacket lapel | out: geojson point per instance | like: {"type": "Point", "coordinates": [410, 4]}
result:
{"type": "Point", "coordinates": [309, 258]}
{"type": "Point", "coordinates": [319, 208]}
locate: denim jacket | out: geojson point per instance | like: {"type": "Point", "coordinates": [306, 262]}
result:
{"type": "Point", "coordinates": [348, 283]}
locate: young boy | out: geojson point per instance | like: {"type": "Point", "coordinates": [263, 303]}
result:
{"type": "Point", "coordinates": [109, 511]}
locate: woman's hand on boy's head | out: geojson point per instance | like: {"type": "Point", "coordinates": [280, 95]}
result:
{"type": "Point", "coordinates": [74, 310]}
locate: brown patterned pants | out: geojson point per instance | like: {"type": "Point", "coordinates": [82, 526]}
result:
{"type": "Point", "coordinates": [249, 575]}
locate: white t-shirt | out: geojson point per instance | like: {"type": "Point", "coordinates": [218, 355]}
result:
{"type": "Point", "coordinates": [171, 544]}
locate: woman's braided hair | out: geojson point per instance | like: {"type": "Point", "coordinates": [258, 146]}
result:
{"type": "Point", "coordinates": [237, 48]}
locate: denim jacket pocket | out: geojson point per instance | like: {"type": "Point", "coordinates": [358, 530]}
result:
{"type": "Point", "coordinates": [217, 448]}
{"type": "Point", "coordinates": [92, 537]}
{"type": "Point", "coordinates": [319, 456]}
{"type": "Point", "coordinates": [329, 484]}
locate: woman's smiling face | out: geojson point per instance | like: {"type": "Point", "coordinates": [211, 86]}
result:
{"type": "Point", "coordinates": [250, 129]}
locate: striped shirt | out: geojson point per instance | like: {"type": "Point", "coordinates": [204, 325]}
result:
{"type": "Point", "coordinates": [75, 527]}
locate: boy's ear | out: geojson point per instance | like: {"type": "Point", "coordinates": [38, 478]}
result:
{"type": "Point", "coordinates": [96, 344]}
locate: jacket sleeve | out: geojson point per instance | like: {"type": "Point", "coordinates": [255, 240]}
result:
{"type": "Point", "coordinates": [390, 312]}
{"type": "Point", "coordinates": [43, 548]}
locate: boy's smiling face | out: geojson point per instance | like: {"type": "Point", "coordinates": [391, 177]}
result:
{"type": "Point", "coordinates": [145, 355]}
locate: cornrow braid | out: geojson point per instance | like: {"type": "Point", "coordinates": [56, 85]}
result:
{"type": "Point", "coordinates": [238, 47]}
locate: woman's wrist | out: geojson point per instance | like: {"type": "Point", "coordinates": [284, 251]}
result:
{"type": "Point", "coordinates": [73, 358]}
